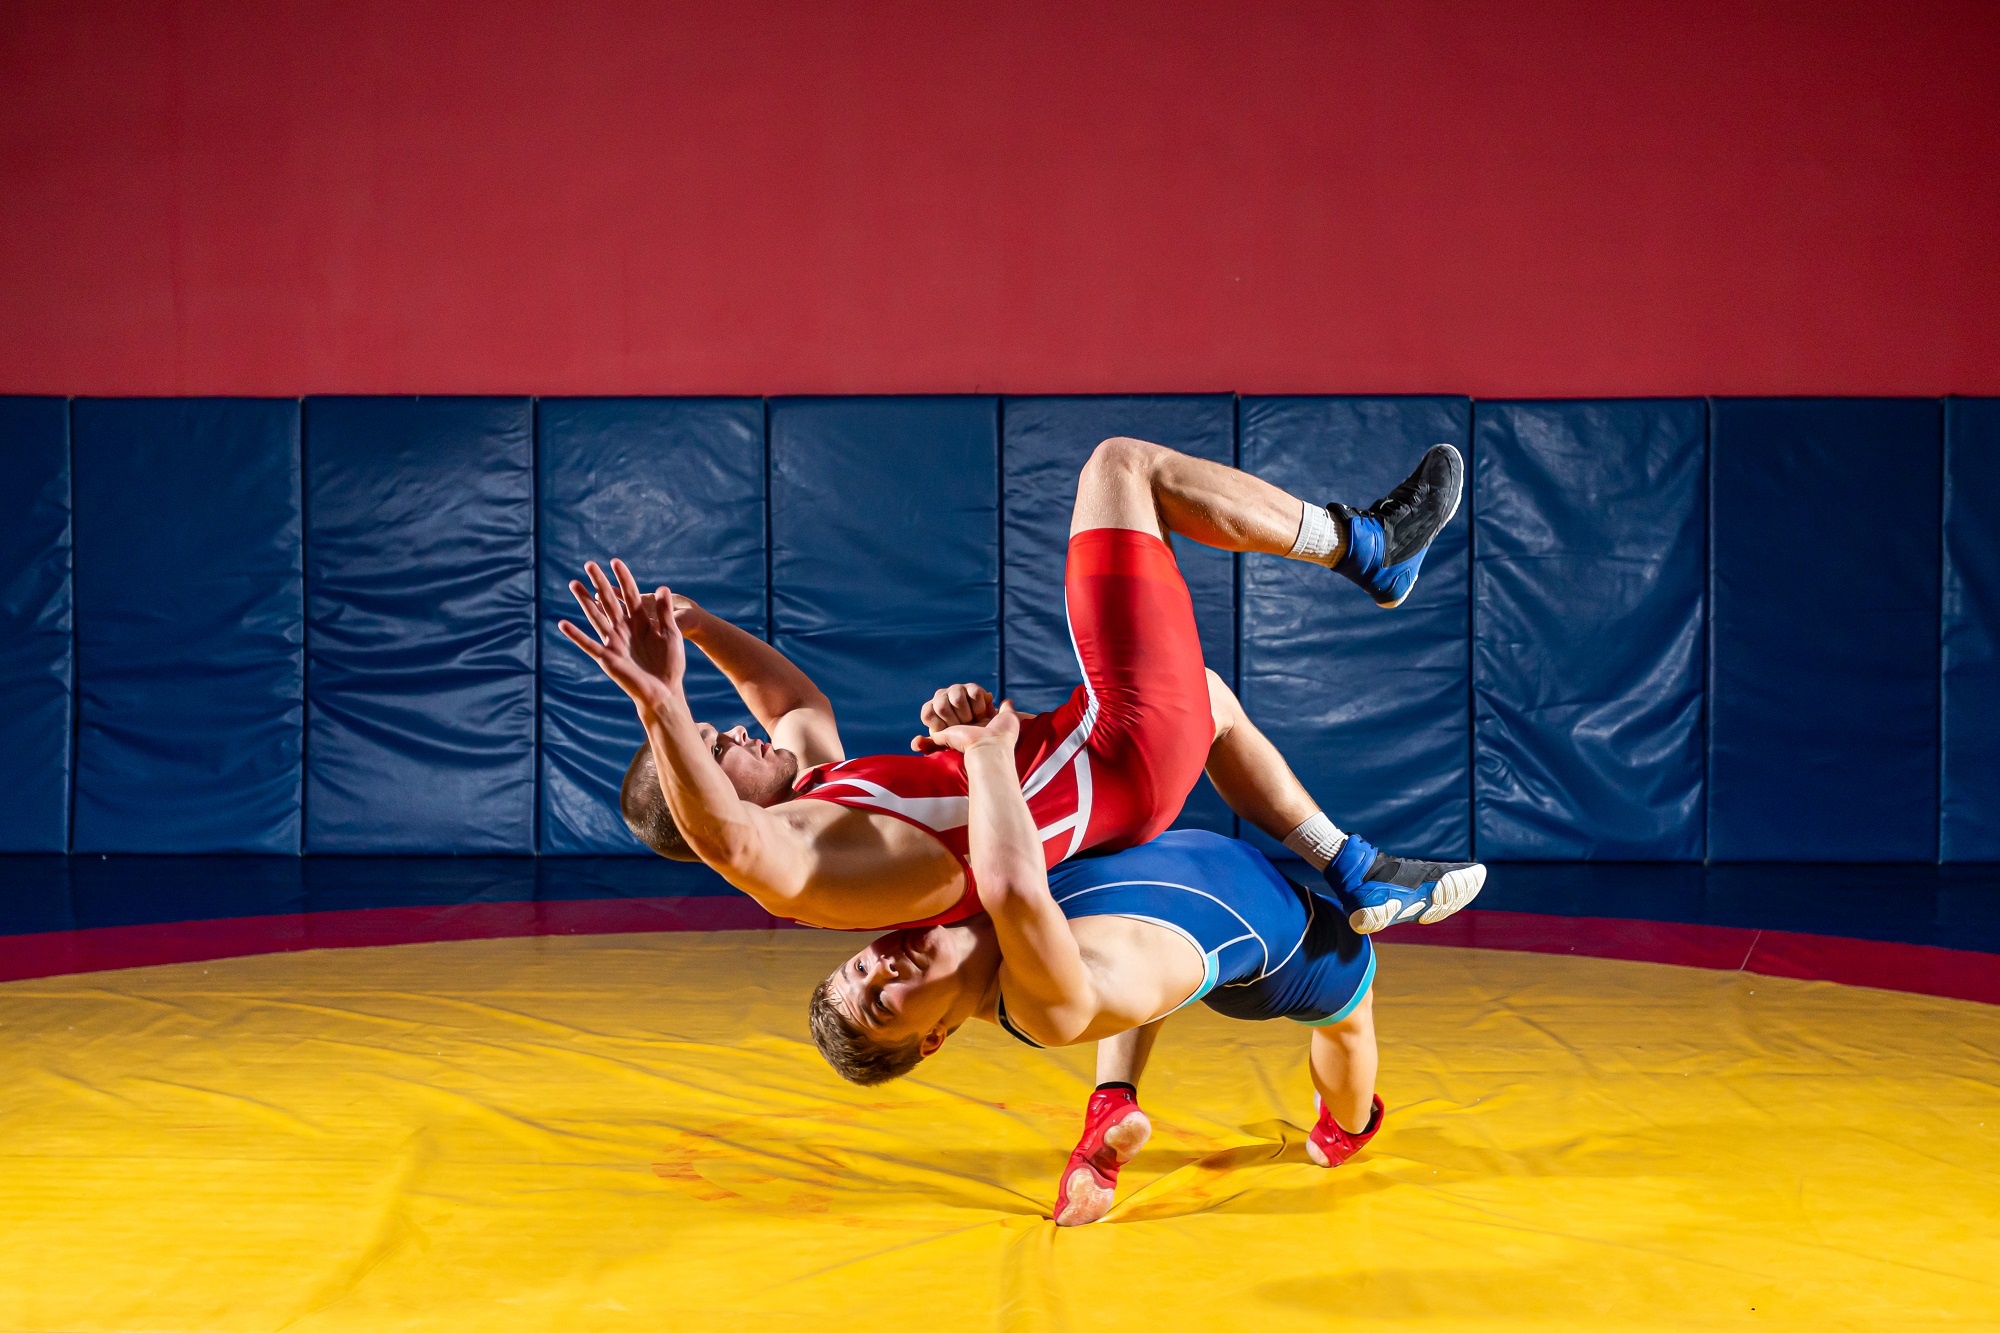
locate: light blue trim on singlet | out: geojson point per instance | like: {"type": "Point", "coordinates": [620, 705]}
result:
{"type": "Point", "coordinates": [1360, 994]}
{"type": "Point", "coordinates": [1210, 969]}
{"type": "Point", "coordinates": [1211, 960]}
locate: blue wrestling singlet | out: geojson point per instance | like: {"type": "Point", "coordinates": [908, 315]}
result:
{"type": "Point", "coordinates": [1273, 950]}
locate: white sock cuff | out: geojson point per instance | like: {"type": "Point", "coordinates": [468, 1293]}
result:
{"type": "Point", "coordinates": [1317, 840]}
{"type": "Point", "coordinates": [1319, 535]}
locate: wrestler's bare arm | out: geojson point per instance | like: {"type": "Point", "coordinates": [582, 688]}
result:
{"type": "Point", "coordinates": [754, 849]}
{"type": "Point", "coordinates": [1051, 991]}
{"type": "Point", "coordinates": [639, 645]}
{"type": "Point", "coordinates": [793, 711]}
{"type": "Point", "coordinates": [1060, 987]}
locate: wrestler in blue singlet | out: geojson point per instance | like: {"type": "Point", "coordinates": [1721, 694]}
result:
{"type": "Point", "coordinates": [1273, 949]}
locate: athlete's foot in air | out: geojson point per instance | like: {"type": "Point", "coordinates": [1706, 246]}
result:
{"type": "Point", "coordinates": [1330, 1145]}
{"type": "Point", "coordinates": [1387, 540]}
{"type": "Point", "coordinates": [1114, 1130]}
{"type": "Point", "coordinates": [1379, 890]}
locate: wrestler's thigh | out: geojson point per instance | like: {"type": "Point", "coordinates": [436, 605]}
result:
{"type": "Point", "coordinates": [1136, 640]}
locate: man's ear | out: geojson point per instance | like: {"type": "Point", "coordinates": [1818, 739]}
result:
{"type": "Point", "coordinates": [932, 1040]}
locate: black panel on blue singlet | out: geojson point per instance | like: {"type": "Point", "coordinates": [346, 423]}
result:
{"type": "Point", "coordinates": [190, 625]}
{"type": "Point", "coordinates": [885, 553]}
{"type": "Point", "coordinates": [421, 633]}
{"type": "Point", "coordinates": [1045, 443]}
{"type": "Point", "coordinates": [1370, 706]}
{"type": "Point", "coordinates": [674, 487]}
{"type": "Point", "coordinates": [1970, 819]}
{"type": "Point", "coordinates": [1588, 627]}
{"type": "Point", "coordinates": [1824, 609]}
{"type": "Point", "coordinates": [36, 663]}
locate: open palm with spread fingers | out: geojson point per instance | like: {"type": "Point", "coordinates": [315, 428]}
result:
{"type": "Point", "coordinates": [638, 641]}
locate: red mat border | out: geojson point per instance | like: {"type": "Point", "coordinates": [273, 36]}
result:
{"type": "Point", "coordinates": [1918, 968]}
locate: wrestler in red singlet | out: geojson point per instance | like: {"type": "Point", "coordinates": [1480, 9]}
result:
{"type": "Point", "coordinates": [1112, 766]}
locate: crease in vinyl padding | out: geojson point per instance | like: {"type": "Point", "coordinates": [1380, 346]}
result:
{"type": "Point", "coordinates": [609, 1132]}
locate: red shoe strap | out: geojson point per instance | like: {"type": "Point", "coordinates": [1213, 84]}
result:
{"type": "Point", "coordinates": [1375, 1114]}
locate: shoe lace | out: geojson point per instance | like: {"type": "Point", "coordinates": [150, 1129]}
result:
{"type": "Point", "coordinates": [1405, 496]}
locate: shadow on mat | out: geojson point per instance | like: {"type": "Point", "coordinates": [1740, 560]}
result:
{"type": "Point", "coordinates": [1240, 1179]}
{"type": "Point", "coordinates": [1227, 1179]}
{"type": "Point", "coordinates": [786, 1165]}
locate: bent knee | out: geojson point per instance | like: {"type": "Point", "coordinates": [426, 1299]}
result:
{"type": "Point", "coordinates": [1224, 709]}
{"type": "Point", "coordinates": [1121, 455]}
{"type": "Point", "coordinates": [1115, 488]}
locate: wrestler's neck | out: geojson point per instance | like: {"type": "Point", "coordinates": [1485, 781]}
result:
{"type": "Point", "coordinates": [981, 969]}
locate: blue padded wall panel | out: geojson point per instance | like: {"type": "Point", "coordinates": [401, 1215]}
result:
{"type": "Point", "coordinates": [1045, 443]}
{"type": "Point", "coordinates": [674, 486]}
{"type": "Point", "coordinates": [1588, 572]}
{"type": "Point", "coordinates": [36, 659]}
{"type": "Point", "coordinates": [1824, 612]}
{"type": "Point", "coordinates": [1371, 707]}
{"type": "Point", "coordinates": [421, 625]}
{"type": "Point", "coordinates": [1970, 823]}
{"type": "Point", "coordinates": [885, 553]}
{"type": "Point", "coordinates": [190, 632]}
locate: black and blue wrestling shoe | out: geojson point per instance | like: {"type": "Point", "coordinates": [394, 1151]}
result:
{"type": "Point", "coordinates": [1379, 890]}
{"type": "Point", "coordinates": [1387, 540]}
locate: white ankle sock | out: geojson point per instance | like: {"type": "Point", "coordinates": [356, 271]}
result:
{"type": "Point", "coordinates": [1317, 840]}
{"type": "Point", "coordinates": [1319, 536]}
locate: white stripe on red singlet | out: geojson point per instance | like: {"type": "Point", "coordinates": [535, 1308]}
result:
{"type": "Point", "coordinates": [1082, 799]}
{"type": "Point", "coordinates": [1071, 748]}
{"type": "Point", "coordinates": [937, 813]}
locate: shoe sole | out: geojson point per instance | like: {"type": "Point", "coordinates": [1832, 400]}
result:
{"type": "Point", "coordinates": [1454, 890]}
{"type": "Point", "coordinates": [1128, 1136]}
{"type": "Point", "coordinates": [1391, 606]}
{"type": "Point", "coordinates": [1084, 1200]}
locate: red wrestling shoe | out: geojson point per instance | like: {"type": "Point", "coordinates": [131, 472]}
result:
{"type": "Point", "coordinates": [1330, 1145]}
{"type": "Point", "coordinates": [1114, 1129]}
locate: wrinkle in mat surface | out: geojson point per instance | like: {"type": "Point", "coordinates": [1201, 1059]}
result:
{"type": "Point", "coordinates": [632, 1132]}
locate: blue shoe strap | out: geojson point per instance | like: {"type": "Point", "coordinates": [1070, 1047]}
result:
{"type": "Point", "coordinates": [1366, 545]}
{"type": "Point", "coordinates": [1398, 578]}
{"type": "Point", "coordinates": [1350, 866]}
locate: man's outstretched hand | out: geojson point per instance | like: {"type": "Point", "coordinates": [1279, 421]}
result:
{"type": "Point", "coordinates": [639, 641]}
{"type": "Point", "coordinates": [1002, 727]}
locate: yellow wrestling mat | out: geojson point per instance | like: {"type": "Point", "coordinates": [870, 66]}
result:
{"type": "Point", "coordinates": [632, 1132]}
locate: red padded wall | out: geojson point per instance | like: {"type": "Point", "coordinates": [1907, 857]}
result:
{"type": "Point", "coordinates": [1504, 199]}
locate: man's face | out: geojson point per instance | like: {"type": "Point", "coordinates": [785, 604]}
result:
{"type": "Point", "coordinates": [761, 773]}
{"type": "Point", "coordinates": [905, 984]}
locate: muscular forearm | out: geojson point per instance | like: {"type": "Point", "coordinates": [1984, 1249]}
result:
{"type": "Point", "coordinates": [765, 678]}
{"type": "Point", "coordinates": [1040, 952]}
{"type": "Point", "coordinates": [1005, 851]}
{"type": "Point", "coordinates": [710, 815]}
